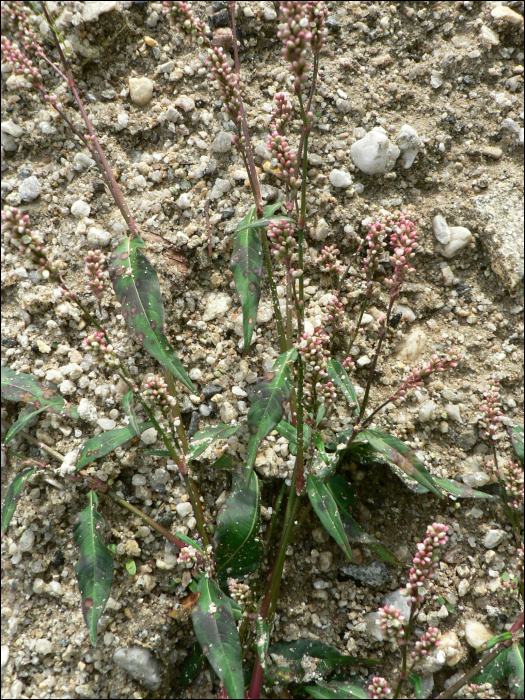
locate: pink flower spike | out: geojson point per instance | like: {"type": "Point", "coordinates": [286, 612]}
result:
{"type": "Point", "coordinates": [378, 688]}
{"type": "Point", "coordinates": [491, 413]}
{"type": "Point", "coordinates": [425, 562]}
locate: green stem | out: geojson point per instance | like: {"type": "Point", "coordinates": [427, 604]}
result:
{"type": "Point", "coordinates": [273, 289]}
{"type": "Point", "coordinates": [382, 335]}
{"type": "Point", "coordinates": [404, 673]}
{"type": "Point", "coordinates": [358, 325]}
{"type": "Point", "coordinates": [276, 508]}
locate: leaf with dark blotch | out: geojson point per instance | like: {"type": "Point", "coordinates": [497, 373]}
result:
{"type": "Point", "coordinates": [396, 452]}
{"type": "Point", "coordinates": [204, 438]}
{"type": "Point", "coordinates": [327, 511]}
{"type": "Point", "coordinates": [137, 288]}
{"type": "Point", "coordinates": [344, 493]}
{"type": "Point", "coordinates": [262, 640]}
{"type": "Point", "coordinates": [493, 641]}
{"type": "Point", "coordinates": [516, 436]}
{"type": "Point", "coordinates": [328, 657]}
{"type": "Point", "coordinates": [13, 496]}
{"type": "Point", "coordinates": [515, 670]}
{"type": "Point", "coordinates": [461, 490]}
{"type": "Point", "coordinates": [19, 386]}
{"type": "Point", "coordinates": [191, 666]}
{"type": "Point", "coordinates": [238, 547]}
{"type": "Point", "coordinates": [216, 632]}
{"type": "Point", "coordinates": [246, 265]}
{"type": "Point", "coordinates": [271, 395]}
{"type": "Point", "coordinates": [103, 444]}
{"type": "Point", "coordinates": [127, 405]}
{"type": "Point", "coordinates": [496, 671]}
{"type": "Point", "coordinates": [336, 690]}
{"type": "Point", "coordinates": [20, 424]}
{"type": "Point", "coordinates": [94, 568]}
{"type": "Point", "coordinates": [417, 684]}
{"type": "Point", "coordinates": [337, 373]}
{"type": "Point", "coordinates": [290, 433]}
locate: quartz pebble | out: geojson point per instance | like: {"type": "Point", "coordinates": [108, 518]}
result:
{"type": "Point", "coordinates": [91, 11]}
{"type": "Point", "coordinates": [184, 201]}
{"type": "Point", "coordinates": [427, 411]}
{"type": "Point", "coordinates": [453, 413]}
{"type": "Point", "coordinates": [441, 229]}
{"type": "Point", "coordinates": [106, 423]}
{"type": "Point", "coordinates": [409, 143]}
{"type": "Point", "coordinates": [141, 665]}
{"type": "Point", "coordinates": [325, 561]}
{"type": "Point", "coordinates": [149, 436]}
{"type": "Point", "coordinates": [43, 646]}
{"type": "Point", "coordinates": [374, 154]}
{"type": "Point", "coordinates": [184, 509]}
{"type": "Point", "coordinates": [476, 633]}
{"type": "Point", "coordinates": [506, 14]}
{"type": "Point", "coordinates": [452, 648]}
{"type": "Point", "coordinates": [27, 542]}
{"type": "Point", "coordinates": [29, 189]}
{"type": "Point", "coordinates": [321, 231]}
{"type": "Point", "coordinates": [140, 91]}
{"type": "Point", "coordinates": [82, 162]}
{"type": "Point", "coordinates": [222, 143]}
{"type": "Point", "coordinates": [459, 238]}
{"type": "Point", "coordinates": [98, 238]}
{"type": "Point", "coordinates": [80, 209]}
{"type": "Point", "coordinates": [185, 103]}
{"type": "Point", "coordinates": [220, 188]}
{"type": "Point", "coordinates": [340, 178]}
{"type": "Point", "coordinates": [410, 348]}
{"type": "Point", "coordinates": [217, 303]}
{"type": "Point", "coordinates": [5, 655]}
{"type": "Point", "coordinates": [493, 538]}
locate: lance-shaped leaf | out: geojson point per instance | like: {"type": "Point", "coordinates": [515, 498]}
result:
{"type": "Point", "coordinates": [516, 436]}
{"type": "Point", "coordinates": [328, 658]}
{"type": "Point", "coordinates": [336, 690]}
{"type": "Point", "coordinates": [216, 632]}
{"type": "Point", "coordinates": [21, 423]}
{"type": "Point", "coordinates": [187, 540]}
{"type": "Point", "coordinates": [290, 433]}
{"type": "Point", "coordinates": [262, 640]}
{"type": "Point", "coordinates": [327, 511]}
{"type": "Point", "coordinates": [19, 386]}
{"type": "Point", "coordinates": [337, 373]}
{"type": "Point", "coordinates": [13, 496]}
{"type": "Point", "coordinates": [204, 438]}
{"type": "Point", "coordinates": [238, 547]}
{"type": "Point", "coordinates": [397, 453]}
{"type": "Point", "coordinates": [515, 670]}
{"type": "Point", "coordinates": [191, 666]}
{"type": "Point", "coordinates": [269, 399]}
{"type": "Point", "coordinates": [502, 669]}
{"type": "Point", "coordinates": [137, 288]}
{"type": "Point", "coordinates": [259, 223]}
{"type": "Point", "coordinates": [127, 405]}
{"type": "Point", "coordinates": [103, 444]}
{"type": "Point", "coordinates": [246, 265]}
{"type": "Point", "coordinates": [417, 684]}
{"type": "Point", "coordinates": [461, 490]}
{"type": "Point", "coordinates": [94, 568]}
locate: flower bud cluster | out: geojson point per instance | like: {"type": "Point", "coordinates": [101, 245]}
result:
{"type": "Point", "coordinates": [492, 413]}
{"type": "Point", "coordinates": [479, 692]}
{"type": "Point", "coordinates": [511, 474]}
{"type": "Point", "coordinates": [286, 160]}
{"type": "Point", "coordinates": [157, 396]}
{"type": "Point", "coordinates": [228, 85]}
{"type": "Point", "coordinates": [29, 243]}
{"type": "Point", "coordinates": [281, 235]}
{"type": "Point", "coordinates": [281, 115]}
{"type": "Point", "coordinates": [378, 688]}
{"type": "Point", "coordinates": [328, 260]}
{"type": "Point", "coordinates": [15, 17]}
{"type": "Point", "coordinates": [335, 312]}
{"type": "Point", "coordinates": [103, 353]}
{"type": "Point", "coordinates": [348, 363]}
{"type": "Point", "coordinates": [375, 240]}
{"type": "Point", "coordinates": [240, 592]}
{"type": "Point", "coordinates": [392, 623]}
{"type": "Point", "coordinates": [403, 238]}
{"type": "Point", "coordinates": [428, 642]}
{"type": "Point", "coordinates": [317, 14]}
{"type": "Point", "coordinates": [509, 587]}
{"type": "Point", "coordinates": [419, 376]}
{"type": "Point", "coordinates": [95, 262]}
{"type": "Point", "coordinates": [188, 557]}
{"type": "Point", "coordinates": [20, 63]}
{"type": "Point", "coordinates": [315, 352]}
{"type": "Point", "coordinates": [296, 37]}
{"type": "Point", "coordinates": [425, 562]}
{"type": "Point", "coordinates": [183, 20]}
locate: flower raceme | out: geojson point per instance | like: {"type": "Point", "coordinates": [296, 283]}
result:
{"type": "Point", "coordinates": [418, 377]}
{"type": "Point", "coordinates": [183, 20]}
{"type": "Point", "coordinates": [281, 115]}
{"type": "Point", "coordinates": [228, 86]}
{"type": "Point", "coordinates": [103, 353]}
{"type": "Point", "coordinates": [282, 238]}
{"type": "Point", "coordinates": [157, 396]}
{"type": "Point", "coordinates": [286, 160]}
{"type": "Point", "coordinates": [425, 562]}
{"type": "Point", "coordinates": [296, 37]}
{"type": "Point", "coordinates": [378, 688]}
{"type": "Point", "coordinates": [392, 623]}
{"type": "Point", "coordinates": [95, 261]}
{"type": "Point", "coordinates": [426, 644]}
{"type": "Point", "coordinates": [492, 414]}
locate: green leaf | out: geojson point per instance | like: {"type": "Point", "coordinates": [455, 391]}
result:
{"type": "Point", "coordinates": [270, 396]}
{"type": "Point", "coordinates": [259, 223]}
{"type": "Point", "coordinates": [397, 453]}
{"type": "Point", "coordinates": [290, 433]}
{"type": "Point", "coordinates": [204, 438]}
{"type": "Point", "coordinates": [270, 209]}
{"type": "Point", "coordinates": [325, 506]}
{"type": "Point", "coordinates": [103, 444]}
{"type": "Point", "coordinates": [329, 658]}
{"type": "Point", "coordinates": [345, 494]}
{"type": "Point", "coordinates": [516, 436]}
{"type": "Point", "coordinates": [131, 567]}
{"type": "Point", "coordinates": [20, 424]}
{"type": "Point", "coordinates": [13, 496]}
{"type": "Point", "coordinates": [262, 640]}
{"type": "Point", "coordinates": [417, 684]}
{"type": "Point", "coordinates": [494, 640]}
{"type": "Point", "coordinates": [336, 690]}
{"type": "Point", "coordinates": [495, 672]}
{"type": "Point", "coordinates": [515, 670]}
{"type": "Point", "coordinates": [137, 288]}
{"type": "Point", "coordinates": [461, 490]}
{"type": "Point", "coordinates": [127, 406]}
{"type": "Point", "coordinates": [19, 386]}
{"type": "Point", "coordinates": [238, 547]}
{"type": "Point", "coordinates": [216, 632]}
{"type": "Point", "coordinates": [191, 666]}
{"type": "Point", "coordinates": [246, 265]}
{"type": "Point", "coordinates": [189, 541]}
{"type": "Point", "coordinates": [337, 373]}
{"type": "Point", "coordinates": [157, 453]}
{"type": "Point", "coordinates": [94, 568]}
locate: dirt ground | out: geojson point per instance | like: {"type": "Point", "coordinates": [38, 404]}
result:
{"type": "Point", "coordinates": [451, 71]}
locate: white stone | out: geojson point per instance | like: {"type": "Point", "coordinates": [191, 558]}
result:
{"type": "Point", "coordinates": [427, 411]}
{"type": "Point", "coordinates": [476, 633]}
{"type": "Point", "coordinates": [463, 587]}
{"type": "Point", "coordinates": [67, 387]}
{"type": "Point", "coordinates": [220, 188]}
{"type": "Point", "coordinates": [184, 102]}
{"type": "Point", "coordinates": [266, 463]}
{"type": "Point", "coordinates": [80, 209]}
{"type": "Point", "coordinates": [222, 143]}
{"type": "Point", "coordinates": [374, 154]}
{"type": "Point", "coordinates": [459, 238]}
{"type": "Point", "coordinates": [54, 588]}
{"type": "Point", "coordinates": [451, 647]}
{"type": "Point", "coordinates": [184, 509]}
{"type": "Point", "coordinates": [315, 159]}
{"type": "Point", "coordinates": [98, 238]}
{"type": "Point", "coordinates": [140, 91]}
{"type": "Point", "coordinates": [9, 127]}
{"type": "Point", "coordinates": [363, 361]}
{"type": "Point", "coordinates": [92, 10]}
{"type": "Point", "coordinates": [493, 538]}
{"type": "Point", "coordinates": [453, 413]}
{"type": "Point", "coordinates": [26, 542]}
{"type": "Point", "coordinates": [506, 14]}
{"type": "Point", "coordinates": [184, 201]}
{"type": "Point", "coordinates": [441, 229]}
{"type": "Point", "coordinates": [68, 464]}
{"type": "Point", "coordinates": [406, 313]}
{"type": "Point", "coordinates": [321, 231]}
{"type": "Point", "coordinates": [228, 412]}
{"type": "Point", "coordinates": [141, 666]}
{"type": "Point", "coordinates": [149, 436]}
{"type": "Point", "coordinates": [340, 178]}
{"type": "Point", "coordinates": [87, 411]}
{"type": "Point", "coordinates": [217, 303]}
{"type": "Point", "coordinates": [106, 423]}
{"type": "Point", "coordinates": [270, 15]}
{"type": "Point", "coordinates": [55, 376]}
{"type": "Point", "coordinates": [409, 144]}
{"type": "Point", "coordinates": [43, 646]}
{"type": "Point", "coordinates": [5, 655]}
{"type": "Point", "coordinates": [476, 479]}
{"type": "Point", "coordinates": [411, 347]}
{"type": "Point", "coordinates": [195, 374]}
{"type": "Point", "coordinates": [436, 79]}
{"type": "Point", "coordinates": [29, 189]}
{"type": "Point", "coordinates": [448, 276]}
{"type": "Point", "coordinates": [82, 162]}
{"type": "Point", "coordinates": [325, 560]}
{"type": "Point", "coordinates": [122, 120]}
{"type": "Point", "coordinates": [488, 37]}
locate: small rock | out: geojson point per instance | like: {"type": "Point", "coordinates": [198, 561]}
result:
{"type": "Point", "coordinates": [363, 361]}
{"type": "Point", "coordinates": [374, 154]}
{"type": "Point", "coordinates": [270, 15]}
{"type": "Point", "coordinates": [459, 238]}
{"type": "Point", "coordinates": [37, 300]}
{"type": "Point", "coordinates": [441, 229]}
{"type": "Point", "coordinates": [325, 560]}
{"type": "Point", "coordinates": [321, 231]}
{"type": "Point", "coordinates": [266, 463]}
{"type": "Point", "coordinates": [468, 438]}
{"type": "Point", "coordinates": [409, 143]}
{"type": "Point", "coordinates": [476, 633]}
{"type": "Point", "coordinates": [436, 79]}
{"type": "Point", "coordinates": [140, 91]}
{"type": "Point", "coordinates": [453, 413]}
{"type": "Point", "coordinates": [463, 587]}
{"type": "Point", "coordinates": [488, 37]}
{"type": "Point", "coordinates": [506, 14]}
{"type": "Point", "coordinates": [374, 574]}
{"type": "Point", "coordinates": [406, 313]}
{"type": "Point", "coordinates": [222, 143]}
{"type": "Point", "coordinates": [223, 37]}
{"type": "Point", "coordinates": [149, 436]}
{"type": "Point", "coordinates": [320, 535]}
{"type": "Point", "coordinates": [122, 120]}
{"type": "Point", "coordinates": [106, 423]}
{"type": "Point", "coordinates": [220, 188]}
{"type": "Point", "coordinates": [448, 276]}
{"type": "Point", "coordinates": [9, 127]}
{"type": "Point", "coordinates": [55, 376]}
{"type": "Point", "coordinates": [141, 665]}
{"type": "Point", "coordinates": [67, 387]}
{"type": "Point", "coordinates": [184, 201]}
{"type": "Point", "coordinates": [412, 346]}
{"type": "Point", "coordinates": [217, 304]}
{"type": "Point", "coordinates": [340, 178]}
{"type": "Point", "coordinates": [194, 423]}
{"type": "Point", "coordinates": [493, 538]}
{"type": "Point", "coordinates": [476, 479]}
{"type": "Point", "coordinates": [5, 655]}
{"type": "Point", "coordinates": [492, 152]}
{"type": "Point", "coordinates": [29, 189]}
{"type": "Point", "coordinates": [27, 542]}
{"type": "Point", "coordinates": [185, 103]}
{"type": "Point", "coordinates": [427, 411]}
{"type": "Point", "coordinates": [452, 648]}
{"type": "Point", "coordinates": [91, 11]}
{"type": "Point", "coordinates": [228, 412]}
{"type": "Point", "coordinates": [80, 209]}
{"type": "Point", "coordinates": [98, 238]}
{"type": "Point", "coordinates": [87, 411]}
{"type": "Point", "coordinates": [43, 646]}
{"type": "Point", "coordinates": [315, 159]}
{"type": "Point", "coordinates": [82, 162]}
{"type": "Point", "coordinates": [211, 390]}
{"type": "Point", "coordinates": [184, 509]}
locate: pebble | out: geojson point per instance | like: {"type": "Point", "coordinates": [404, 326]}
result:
{"type": "Point", "coordinates": [30, 189]}
{"type": "Point", "coordinates": [80, 209]}
{"type": "Point", "coordinates": [185, 103]}
{"type": "Point", "coordinates": [184, 201]}
{"type": "Point", "coordinates": [410, 348]}
{"type": "Point", "coordinates": [315, 159]}
{"type": "Point", "coordinates": [493, 538]}
{"type": "Point", "coordinates": [453, 413]}
{"type": "Point", "coordinates": [184, 509]}
{"type": "Point", "coordinates": [122, 120]}
{"type": "Point", "coordinates": [92, 10]}
{"type": "Point", "coordinates": [325, 560]}
{"type": "Point", "coordinates": [43, 646]}
{"type": "Point", "coordinates": [217, 304]}
{"type": "Point", "coordinates": [5, 655]}
{"type": "Point", "coordinates": [55, 376]}
{"type": "Point", "coordinates": [459, 238]}
{"type": "Point", "coordinates": [321, 231]}
{"type": "Point", "coordinates": [106, 423]}
{"type": "Point", "coordinates": [448, 276]}
{"type": "Point", "coordinates": [26, 542]}
{"type": "Point", "coordinates": [228, 412]}
{"type": "Point", "coordinates": [140, 91]}
{"type": "Point", "coordinates": [427, 411]}
{"type": "Point", "coordinates": [67, 387]}
{"type": "Point", "coordinates": [98, 238]}
{"type": "Point", "coordinates": [436, 79]}
{"type": "Point", "coordinates": [452, 648]}
{"type": "Point", "coordinates": [441, 229]}
{"type": "Point", "coordinates": [220, 188]}
{"type": "Point", "coordinates": [87, 410]}
{"type": "Point", "coordinates": [149, 436]}
{"type": "Point", "coordinates": [211, 389]}
{"type": "Point", "coordinates": [488, 37]}
{"type": "Point", "coordinates": [363, 361]}
{"type": "Point", "coordinates": [492, 152]}
{"type": "Point", "coordinates": [82, 162]}
{"type": "Point", "coordinates": [409, 143]}
{"type": "Point", "coordinates": [374, 574]}
{"type": "Point", "coordinates": [374, 154]}
{"type": "Point", "coordinates": [141, 665]}
{"type": "Point", "coordinates": [340, 178]}
{"type": "Point", "coordinates": [222, 143]}
{"type": "Point", "coordinates": [506, 14]}
{"type": "Point", "coordinates": [194, 423]}
{"type": "Point", "coordinates": [320, 535]}
{"type": "Point", "coordinates": [476, 633]}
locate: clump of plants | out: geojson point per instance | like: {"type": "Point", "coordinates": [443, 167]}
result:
{"type": "Point", "coordinates": [234, 584]}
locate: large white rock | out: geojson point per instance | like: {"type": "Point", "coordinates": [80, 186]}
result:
{"type": "Point", "coordinates": [459, 238]}
{"type": "Point", "coordinates": [476, 633]}
{"type": "Point", "coordinates": [80, 209]}
{"type": "Point", "coordinates": [441, 229]}
{"type": "Point", "coordinates": [409, 144]}
{"type": "Point", "coordinates": [340, 178]}
{"type": "Point", "coordinates": [141, 665]}
{"type": "Point", "coordinates": [98, 238]}
{"type": "Point", "coordinates": [92, 10]}
{"type": "Point", "coordinates": [217, 303]}
{"type": "Point", "coordinates": [374, 154]}
{"type": "Point", "coordinates": [140, 91]}
{"type": "Point", "coordinates": [412, 346]}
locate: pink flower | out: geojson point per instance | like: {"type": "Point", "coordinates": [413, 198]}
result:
{"type": "Point", "coordinates": [425, 562]}
{"type": "Point", "coordinates": [492, 413]}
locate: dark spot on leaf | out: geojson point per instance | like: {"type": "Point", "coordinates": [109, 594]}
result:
{"type": "Point", "coordinates": [250, 319]}
{"type": "Point", "coordinates": [88, 603]}
{"type": "Point", "coordinates": [124, 256]}
{"type": "Point", "coordinates": [141, 337]}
